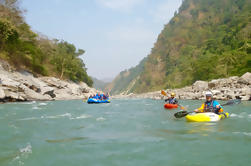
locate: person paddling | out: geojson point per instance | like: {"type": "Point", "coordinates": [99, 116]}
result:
{"type": "Point", "coordinates": [210, 105]}
{"type": "Point", "coordinates": [172, 99]}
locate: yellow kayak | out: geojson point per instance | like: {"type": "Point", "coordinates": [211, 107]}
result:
{"type": "Point", "coordinates": [206, 117]}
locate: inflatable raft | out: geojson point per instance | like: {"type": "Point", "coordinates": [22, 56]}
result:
{"type": "Point", "coordinates": [206, 117]}
{"type": "Point", "coordinates": [97, 101]}
{"type": "Point", "coordinates": [170, 106]}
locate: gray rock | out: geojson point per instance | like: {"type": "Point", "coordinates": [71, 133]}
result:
{"type": "Point", "coordinates": [248, 97]}
{"type": "Point", "coordinates": [245, 79]}
{"type": "Point", "coordinates": [200, 85]}
{"type": "Point", "coordinates": [2, 94]}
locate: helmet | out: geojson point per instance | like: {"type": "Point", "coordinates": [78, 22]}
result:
{"type": "Point", "coordinates": [209, 94]}
{"type": "Point", "coordinates": [172, 94]}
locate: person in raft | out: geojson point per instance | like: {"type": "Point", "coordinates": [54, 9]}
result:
{"type": "Point", "coordinates": [172, 99]}
{"type": "Point", "coordinates": [106, 96]}
{"type": "Point", "coordinates": [210, 105]}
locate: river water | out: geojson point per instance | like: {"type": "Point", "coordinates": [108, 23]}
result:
{"type": "Point", "coordinates": [133, 132]}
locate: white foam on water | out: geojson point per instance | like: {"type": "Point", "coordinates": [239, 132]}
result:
{"type": "Point", "coordinates": [58, 116]}
{"type": "Point", "coordinates": [243, 133]}
{"type": "Point", "coordinates": [27, 149]}
{"type": "Point", "coordinates": [110, 113]}
{"type": "Point", "coordinates": [42, 104]}
{"type": "Point", "coordinates": [83, 116]}
{"type": "Point", "coordinates": [247, 134]}
{"type": "Point", "coordinates": [100, 119]}
{"type": "Point", "coordinates": [28, 102]}
{"type": "Point", "coordinates": [16, 158]}
{"type": "Point", "coordinates": [31, 118]}
{"type": "Point", "coordinates": [50, 117]}
{"type": "Point", "coordinates": [65, 115]}
{"type": "Point", "coordinates": [23, 152]}
{"type": "Point", "coordinates": [36, 108]}
{"type": "Point", "coordinates": [13, 126]}
{"type": "Point", "coordinates": [236, 115]}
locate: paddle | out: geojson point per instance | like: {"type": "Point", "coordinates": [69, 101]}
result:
{"type": "Point", "coordinates": [185, 113]}
{"type": "Point", "coordinates": [231, 102]}
{"type": "Point", "coordinates": [182, 114]}
{"type": "Point", "coordinates": [165, 94]}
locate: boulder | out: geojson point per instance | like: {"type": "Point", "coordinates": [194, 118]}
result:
{"type": "Point", "coordinates": [200, 85]}
{"type": "Point", "coordinates": [32, 95]}
{"type": "Point", "coordinates": [245, 79]}
{"type": "Point", "coordinates": [7, 81]}
{"type": "Point", "coordinates": [13, 96]}
{"type": "Point", "coordinates": [248, 97]}
{"type": "Point", "coordinates": [213, 84]}
{"type": "Point", "coordinates": [48, 91]}
{"type": "Point", "coordinates": [216, 92]}
{"type": "Point", "coordinates": [2, 94]}
{"type": "Point", "coordinates": [54, 82]}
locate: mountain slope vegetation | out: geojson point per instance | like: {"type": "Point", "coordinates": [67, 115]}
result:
{"type": "Point", "coordinates": [206, 39]}
{"type": "Point", "coordinates": [25, 49]}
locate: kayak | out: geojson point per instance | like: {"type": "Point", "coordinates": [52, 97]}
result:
{"type": "Point", "coordinates": [170, 106]}
{"type": "Point", "coordinates": [206, 117]}
{"type": "Point", "coordinates": [97, 101]}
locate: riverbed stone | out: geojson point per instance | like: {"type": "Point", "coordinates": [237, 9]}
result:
{"type": "Point", "coordinates": [2, 94]}
{"type": "Point", "coordinates": [245, 79]}
{"type": "Point", "coordinates": [200, 85]}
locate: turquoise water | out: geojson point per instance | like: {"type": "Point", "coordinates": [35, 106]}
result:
{"type": "Point", "coordinates": [124, 132]}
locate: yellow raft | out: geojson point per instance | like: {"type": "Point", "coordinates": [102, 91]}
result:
{"type": "Point", "coordinates": [206, 117]}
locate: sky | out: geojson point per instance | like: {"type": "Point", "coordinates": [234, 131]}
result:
{"type": "Point", "coordinates": [116, 34]}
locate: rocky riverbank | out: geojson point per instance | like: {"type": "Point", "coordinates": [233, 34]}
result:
{"type": "Point", "coordinates": [223, 89]}
{"type": "Point", "coordinates": [23, 86]}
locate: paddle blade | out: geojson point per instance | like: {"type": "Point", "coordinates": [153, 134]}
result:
{"type": "Point", "coordinates": [232, 102]}
{"type": "Point", "coordinates": [163, 93]}
{"type": "Point", "coordinates": [181, 114]}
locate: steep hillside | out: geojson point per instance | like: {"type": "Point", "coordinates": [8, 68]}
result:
{"type": "Point", "coordinates": [206, 39]}
{"type": "Point", "coordinates": [126, 80]}
{"type": "Point", "coordinates": [25, 49]}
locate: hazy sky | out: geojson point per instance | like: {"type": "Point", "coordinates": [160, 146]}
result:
{"type": "Point", "coordinates": [116, 34]}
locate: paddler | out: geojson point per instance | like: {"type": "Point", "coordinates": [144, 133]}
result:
{"type": "Point", "coordinates": [172, 99]}
{"type": "Point", "coordinates": [210, 105]}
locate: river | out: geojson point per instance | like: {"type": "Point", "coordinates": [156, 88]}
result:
{"type": "Point", "coordinates": [128, 132]}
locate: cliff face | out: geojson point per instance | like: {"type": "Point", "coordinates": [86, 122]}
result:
{"type": "Point", "coordinates": [205, 40]}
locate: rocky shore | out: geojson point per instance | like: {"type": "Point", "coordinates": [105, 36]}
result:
{"type": "Point", "coordinates": [23, 86]}
{"type": "Point", "coordinates": [223, 89]}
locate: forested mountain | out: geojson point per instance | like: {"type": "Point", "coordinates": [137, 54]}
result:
{"type": "Point", "coordinates": [25, 49]}
{"type": "Point", "coordinates": [125, 81]}
{"type": "Point", "coordinates": [206, 39]}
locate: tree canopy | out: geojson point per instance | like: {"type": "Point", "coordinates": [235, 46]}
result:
{"type": "Point", "coordinates": [24, 49]}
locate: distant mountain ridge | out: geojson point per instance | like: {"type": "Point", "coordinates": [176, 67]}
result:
{"type": "Point", "coordinates": [205, 40]}
{"type": "Point", "coordinates": [99, 84]}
